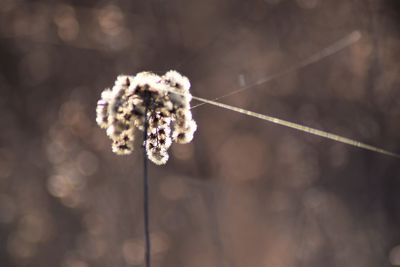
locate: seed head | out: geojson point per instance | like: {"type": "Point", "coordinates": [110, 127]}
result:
{"type": "Point", "coordinates": [122, 109]}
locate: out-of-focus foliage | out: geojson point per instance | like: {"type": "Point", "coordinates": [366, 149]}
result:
{"type": "Point", "coordinates": [243, 193]}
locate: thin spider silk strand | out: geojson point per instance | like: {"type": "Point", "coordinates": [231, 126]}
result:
{"type": "Point", "coordinates": [326, 52]}
{"type": "Point", "coordinates": [299, 127]}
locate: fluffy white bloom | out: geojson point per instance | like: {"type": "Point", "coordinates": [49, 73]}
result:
{"type": "Point", "coordinates": [176, 80]}
{"type": "Point", "coordinates": [102, 108]}
{"type": "Point", "coordinates": [184, 135]}
{"type": "Point", "coordinates": [122, 109]}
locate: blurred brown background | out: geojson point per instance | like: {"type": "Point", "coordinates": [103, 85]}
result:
{"type": "Point", "coordinates": [244, 192]}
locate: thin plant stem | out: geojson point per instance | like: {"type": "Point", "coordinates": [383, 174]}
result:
{"type": "Point", "coordinates": [146, 187]}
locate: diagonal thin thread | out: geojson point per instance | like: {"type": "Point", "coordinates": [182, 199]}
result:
{"type": "Point", "coordinates": [146, 188]}
{"type": "Point", "coordinates": [299, 127]}
{"type": "Point", "coordinates": [326, 52]}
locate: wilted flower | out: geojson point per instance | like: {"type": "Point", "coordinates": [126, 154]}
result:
{"type": "Point", "coordinates": [122, 109]}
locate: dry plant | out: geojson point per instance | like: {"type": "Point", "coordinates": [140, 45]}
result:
{"type": "Point", "coordinates": [242, 192]}
{"type": "Point", "coordinates": [163, 102]}
{"type": "Point", "coordinates": [160, 107]}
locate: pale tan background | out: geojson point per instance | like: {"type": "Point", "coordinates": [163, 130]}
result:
{"type": "Point", "coordinates": [244, 192]}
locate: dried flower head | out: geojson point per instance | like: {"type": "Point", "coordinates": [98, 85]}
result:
{"type": "Point", "coordinates": [122, 109]}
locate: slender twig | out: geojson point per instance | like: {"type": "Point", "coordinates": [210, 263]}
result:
{"type": "Point", "coordinates": [146, 186]}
